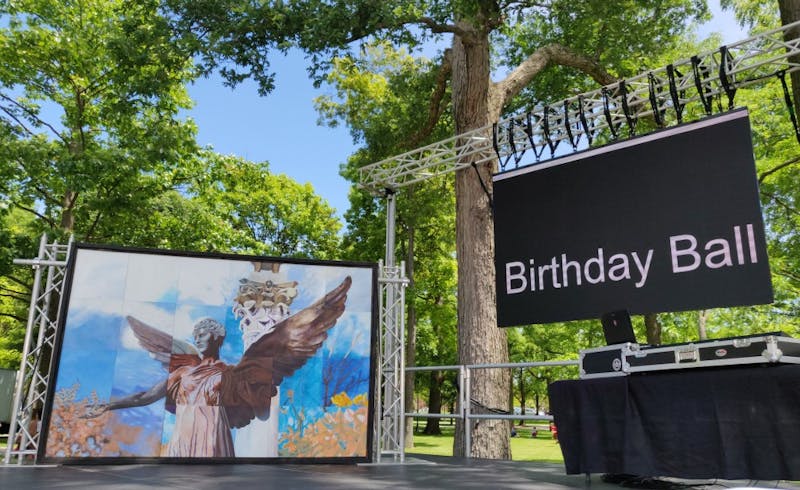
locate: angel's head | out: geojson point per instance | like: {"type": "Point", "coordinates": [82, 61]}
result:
{"type": "Point", "coordinates": [208, 336]}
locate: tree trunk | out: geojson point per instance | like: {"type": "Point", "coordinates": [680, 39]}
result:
{"type": "Point", "coordinates": [67, 213]}
{"type": "Point", "coordinates": [702, 318]}
{"type": "Point", "coordinates": [480, 341]}
{"type": "Point", "coordinates": [790, 12]}
{"type": "Point", "coordinates": [434, 403]}
{"type": "Point", "coordinates": [411, 343]}
{"type": "Point", "coordinates": [522, 398]}
{"type": "Point", "coordinates": [652, 328]}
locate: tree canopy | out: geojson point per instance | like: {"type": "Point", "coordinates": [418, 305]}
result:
{"type": "Point", "coordinates": [95, 145]}
{"type": "Point", "coordinates": [519, 42]}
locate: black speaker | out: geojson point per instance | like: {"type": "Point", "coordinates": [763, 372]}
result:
{"type": "Point", "coordinates": [617, 327]}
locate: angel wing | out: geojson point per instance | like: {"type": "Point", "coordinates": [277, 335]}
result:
{"type": "Point", "coordinates": [161, 345]}
{"type": "Point", "coordinates": [278, 354]}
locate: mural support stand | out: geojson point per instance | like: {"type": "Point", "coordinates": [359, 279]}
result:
{"type": "Point", "coordinates": [390, 426]}
{"type": "Point", "coordinates": [34, 372]}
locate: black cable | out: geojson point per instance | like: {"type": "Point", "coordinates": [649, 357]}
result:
{"type": "Point", "coordinates": [480, 405]}
{"type": "Point", "coordinates": [512, 144]}
{"type": "Point", "coordinates": [572, 140]}
{"type": "Point", "coordinates": [502, 164]}
{"type": "Point", "coordinates": [730, 90]}
{"type": "Point", "coordinates": [582, 114]}
{"type": "Point", "coordinates": [700, 74]}
{"type": "Point", "coordinates": [485, 189]}
{"type": "Point", "coordinates": [632, 120]}
{"type": "Point", "coordinates": [529, 132]}
{"type": "Point", "coordinates": [546, 130]}
{"type": "Point", "coordinates": [653, 88]}
{"type": "Point", "coordinates": [787, 97]}
{"type": "Point", "coordinates": [673, 92]}
{"type": "Point", "coordinates": [607, 114]}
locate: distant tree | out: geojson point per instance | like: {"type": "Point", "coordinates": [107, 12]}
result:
{"type": "Point", "coordinates": [94, 145]}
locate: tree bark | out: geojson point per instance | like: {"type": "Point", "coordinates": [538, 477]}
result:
{"type": "Point", "coordinates": [434, 403]}
{"type": "Point", "coordinates": [523, 399]}
{"type": "Point", "coordinates": [67, 213]}
{"type": "Point", "coordinates": [702, 318]}
{"type": "Point", "coordinates": [652, 328]}
{"type": "Point", "coordinates": [480, 341]}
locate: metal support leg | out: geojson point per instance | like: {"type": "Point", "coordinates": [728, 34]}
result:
{"type": "Point", "coordinates": [33, 378]}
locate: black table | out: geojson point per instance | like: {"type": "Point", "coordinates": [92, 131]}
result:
{"type": "Point", "coordinates": [731, 423]}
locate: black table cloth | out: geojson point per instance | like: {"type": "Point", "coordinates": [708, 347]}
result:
{"type": "Point", "coordinates": [730, 423]}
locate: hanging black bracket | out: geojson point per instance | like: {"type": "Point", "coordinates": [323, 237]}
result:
{"type": "Point", "coordinates": [654, 88]}
{"type": "Point", "coordinates": [572, 139]}
{"type": "Point", "coordinates": [546, 130]}
{"type": "Point", "coordinates": [607, 113]}
{"type": "Point", "coordinates": [582, 114]}
{"type": "Point", "coordinates": [630, 118]}
{"type": "Point", "coordinates": [674, 93]}
{"type": "Point", "coordinates": [730, 89]}
{"type": "Point", "coordinates": [502, 162]}
{"type": "Point", "coordinates": [700, 75]}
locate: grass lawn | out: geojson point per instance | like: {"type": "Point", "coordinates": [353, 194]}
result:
{"type": "Point", "coordinates": [523, 447]}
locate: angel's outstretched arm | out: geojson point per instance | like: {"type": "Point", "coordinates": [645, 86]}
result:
{"type": "Point", "coordinates": [139, 399]}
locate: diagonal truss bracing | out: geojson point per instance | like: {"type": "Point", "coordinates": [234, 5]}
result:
{"type": "Point", "coordinates": [34, 374]}
{"type": "Point", "coordinates": [611, 111]}
{"type": "Point", "coordinates": [390, 428]}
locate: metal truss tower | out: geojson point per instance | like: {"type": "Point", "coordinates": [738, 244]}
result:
{"type": "Point", "coordinates": [33, 378]}
{"type": "Point", "coordinates": [664, 96]}
{"type": "Point", "coordinates": [390, 396]}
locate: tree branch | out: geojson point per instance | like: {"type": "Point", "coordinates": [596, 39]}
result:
{"type": "Point", "coordinates": [780, 202]}
{"type": "Point", "coordinates": [15, 317]}
{"type": "Point", "coordinates": [539, 60]}
{"type": "Point", "coordinates": [431, 24]}
{"type": "Point", "coordinates": [30, 114]}
{"type": "Point", "coordinates": [438, 28]}
{"type": "Point", "coordinates": [17, 281]}
{"type": "Point", "coordinates": [783, 165]}
{"type": "Point", "coordinates": [787, 274]}
{"type": "Point", "coordinates": [44, 195]}
{"type": "Point", "coordinates": [435, 108]}
{"type": "Point", "coordinates": [32, 211]}
{"type": "Point", "coordinates": [94, 224]}
{"type": "Point", "coordinates": [18, 297]}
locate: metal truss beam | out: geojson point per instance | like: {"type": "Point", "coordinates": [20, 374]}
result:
{"type": "Point", "coordinates": [661, 95]}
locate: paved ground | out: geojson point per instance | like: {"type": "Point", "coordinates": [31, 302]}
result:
{"type": "Point", "coordinates": [416, 473]}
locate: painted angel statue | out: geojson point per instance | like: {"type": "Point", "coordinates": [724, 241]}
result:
{"type": "Point", "coordinates": [209, 397]}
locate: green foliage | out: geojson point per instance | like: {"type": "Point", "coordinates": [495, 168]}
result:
{"type": "Point", "coordinates": [90, 94]}
{"type": "Point", "coordinates": [626, 37]}
{"type": "Point", "coordinates": [754, 13]}
{"type": "Point", "coordinates": [266, 213]}
{"type": "Point", "coordinates": [93, 145]}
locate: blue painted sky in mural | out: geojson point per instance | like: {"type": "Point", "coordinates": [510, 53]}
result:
{"type": "Point", "coordinates": [101, 356]}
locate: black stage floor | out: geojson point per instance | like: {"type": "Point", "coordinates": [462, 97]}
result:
{"type": "Point", "coordinates": [417, 472]}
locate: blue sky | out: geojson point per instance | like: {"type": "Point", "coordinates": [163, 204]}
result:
{"type": "Point", "coordinates": [282, 129]}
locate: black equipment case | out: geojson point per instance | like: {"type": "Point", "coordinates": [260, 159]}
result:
{"type": "Point", "coordinates": [627, 358]}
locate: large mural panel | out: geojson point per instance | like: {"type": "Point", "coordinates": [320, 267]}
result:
{"type": "Point", "coordinates": [165, 356]}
